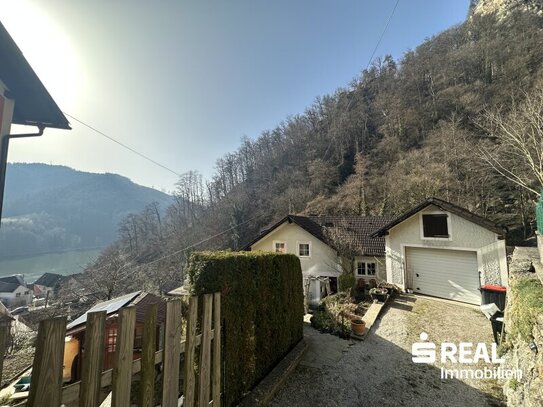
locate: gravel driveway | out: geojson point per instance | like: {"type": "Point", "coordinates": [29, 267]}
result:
{"type": "Point", "coordinates": [379, 371]}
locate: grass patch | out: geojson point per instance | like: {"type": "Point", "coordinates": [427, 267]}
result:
{"type": "Point", "coordinates": [527, 304]}
{"type": "Point", "coordinates": [513, 383]}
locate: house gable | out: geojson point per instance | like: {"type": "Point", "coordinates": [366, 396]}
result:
{"type": "Point", "coordinates": [446, 207]}
{"type": "Point", "coordinates": [462, 232]}
{"type": "Point", "coordinates": [322, 259]}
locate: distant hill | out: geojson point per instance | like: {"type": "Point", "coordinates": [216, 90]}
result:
{"type": "Point", "coordinates": [51, 208]}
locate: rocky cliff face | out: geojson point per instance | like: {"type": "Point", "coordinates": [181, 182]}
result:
{"type": "Point", "coordinates": [504, 7]}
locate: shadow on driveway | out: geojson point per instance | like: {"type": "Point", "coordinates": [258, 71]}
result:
{"type": "Point", "coordinates": [378, 371]}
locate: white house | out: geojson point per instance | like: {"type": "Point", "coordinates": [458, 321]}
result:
{"type": "Point", "coordinates": [316, 240]}
{"type": "Point", "coordinates": [443, 250]}
{"type": "Point", "coordinates": [14, 295]}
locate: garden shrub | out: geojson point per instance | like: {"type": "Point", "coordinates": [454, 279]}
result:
{"type": "Point", "coordinates": [346, 281]}
{"type": "Point", "coordinates": [334, 314]}
{"type": "Point", "coordinates": [262, 310]}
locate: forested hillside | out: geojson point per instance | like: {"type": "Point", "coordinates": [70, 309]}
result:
{"type": "Point", "coordinates": [400, 132]}
{"type": "Point", "coordinates": [52, 208]}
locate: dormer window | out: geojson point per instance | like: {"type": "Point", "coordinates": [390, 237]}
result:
{"type": "Point", "coordinates": [435, 226]}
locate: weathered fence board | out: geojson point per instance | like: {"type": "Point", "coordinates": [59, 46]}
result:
{"type": "Point", "coordinates": [124, 349]}
{"type": "Point", "coordinates": [190, 347]}
{"type": "Point", "coordinates": [46, 385]}
{"type": "Point", "coordinates": [205, 353]}
{"type": "Point", "coordinates": [217, 350]}
{"type": "Point", "coordinates": [172, 350]}
{"type": "Point", "coordinates": [147, 382]}
{"type": "Point", "coordinates": [92, 359]}
{"type": "Point", "coordinates": [70, 393]}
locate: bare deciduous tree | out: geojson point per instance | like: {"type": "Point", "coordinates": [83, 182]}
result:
{"type": "Point", "coordinates": [516, 151]}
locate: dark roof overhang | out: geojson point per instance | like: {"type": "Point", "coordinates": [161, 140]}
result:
{"type": "Point", "coordinates": [33, 103]}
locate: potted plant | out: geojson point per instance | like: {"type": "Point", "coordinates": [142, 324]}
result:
{"type": "Point", "coordinates": [358, 326]}
{"type": "Point", "coordinates": [379, 294]}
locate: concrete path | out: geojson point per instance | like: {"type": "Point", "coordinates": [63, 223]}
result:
{"type": "Point", "coordinates": [323, 350]}
{"type": "Point", "coordinates": [379, 371]}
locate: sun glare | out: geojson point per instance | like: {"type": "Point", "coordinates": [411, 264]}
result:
{"type": "Point", "coordinates": [46, 47]}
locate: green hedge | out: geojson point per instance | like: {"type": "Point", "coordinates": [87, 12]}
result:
{"type": "Point", "coordinates": [262, 310]}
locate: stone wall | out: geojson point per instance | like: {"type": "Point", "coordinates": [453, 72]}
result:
{"type": "Point", "coordinates": [524, 329]}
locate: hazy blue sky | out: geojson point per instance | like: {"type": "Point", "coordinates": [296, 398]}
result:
{"type": "Point", "coordinates": [183, 81]}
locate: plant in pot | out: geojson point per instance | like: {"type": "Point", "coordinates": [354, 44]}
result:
{"type": "Point", "coordinates": [379, 294]}
{"type": "Point", "coordinates": [358, 326]}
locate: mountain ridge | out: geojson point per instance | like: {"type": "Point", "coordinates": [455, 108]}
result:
{"type": "Point", "coordinates": [504, 7]}
{"type": "Point", "coordinates": [88, 214]}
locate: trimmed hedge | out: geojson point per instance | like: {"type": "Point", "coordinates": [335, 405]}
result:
{"type": "Point", "coordinates": [262, 309]}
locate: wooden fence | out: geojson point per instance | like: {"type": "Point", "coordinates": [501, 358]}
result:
{"type": "Point", "coordinates": [201, 348]}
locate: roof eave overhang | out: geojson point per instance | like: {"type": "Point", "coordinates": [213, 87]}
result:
{"type": "Point", "coordinates": [432, 201]}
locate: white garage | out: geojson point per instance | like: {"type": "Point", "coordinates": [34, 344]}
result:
{"type": "Point", "coordinates": [451, 274]}
{"type": "Point", "coordinates": [440, 249]}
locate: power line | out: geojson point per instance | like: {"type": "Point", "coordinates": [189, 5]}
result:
{"type": "Point", "coordinates": [385, 28]}
{"type": "Point", "coordinates": [133, 150]}
{"type": "Point", "coordinates": [382, 33]}
{"type": "Point", "coordinates": [136, 267]}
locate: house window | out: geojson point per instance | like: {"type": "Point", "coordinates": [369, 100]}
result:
{"type": "Point", "coordinates": [27, 292]}
{"type": "Point", "coordinates": [304, 250]}
{"type": "Point", "coordinates": [18, 294]}
{"type": "Point", "coordinates": [280, 247]}
{"type": "Point", "coordinates": [111, 343]}
{"type": "Point", "coordinates": [435, 225]}
{"type": "Point", "coordinates": [366, 268]}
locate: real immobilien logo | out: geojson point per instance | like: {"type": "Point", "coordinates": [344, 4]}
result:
{"type": "Point", "coordinates": [462, 353]}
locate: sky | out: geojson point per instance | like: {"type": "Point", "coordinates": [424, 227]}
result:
{"type": "Point", "coordinates": [183, 81]}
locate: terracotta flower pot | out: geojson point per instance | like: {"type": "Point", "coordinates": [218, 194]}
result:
{"type": "Point", "coordinates": [358, 326]}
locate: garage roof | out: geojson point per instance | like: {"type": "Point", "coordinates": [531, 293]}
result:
{"type": "Point", "coordinates": [445, 206]}
{"type": "Point", "coordinates": [33, 104]}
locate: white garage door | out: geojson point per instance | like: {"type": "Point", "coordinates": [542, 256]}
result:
{"type": "Point", "coordinates": [451, 274]}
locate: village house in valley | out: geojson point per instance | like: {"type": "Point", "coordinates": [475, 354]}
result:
{"type": "Point", "coordinates": [46, 284]}
{"type": "Point", "coordinates": [14, 292]}
{"type": "Point", "coordinates": [328, 246]}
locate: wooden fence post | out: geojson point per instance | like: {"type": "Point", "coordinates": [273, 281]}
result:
{"type": "Point", "coordinates": [172, 349]}
{"type": "Point", "coordinates": [122, 370]}
{"type": "Point", "coordinates": [205, 353]}
{"type": "Point", "coordinates": [93, 357]}
{"type": "Point", "coordinates": [3, 345]}
{"type": "Point", "coordinates": [216, 350]}
{"type": "Point", "coordinates": [46, 382]}
{"type": "Point", "coordinates": [147, 382]}
{"type": "Point", "coordinates": [190, 348]}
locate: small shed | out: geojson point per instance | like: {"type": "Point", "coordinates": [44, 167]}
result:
{"type": "Point", "coordinates": [75, 331]}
